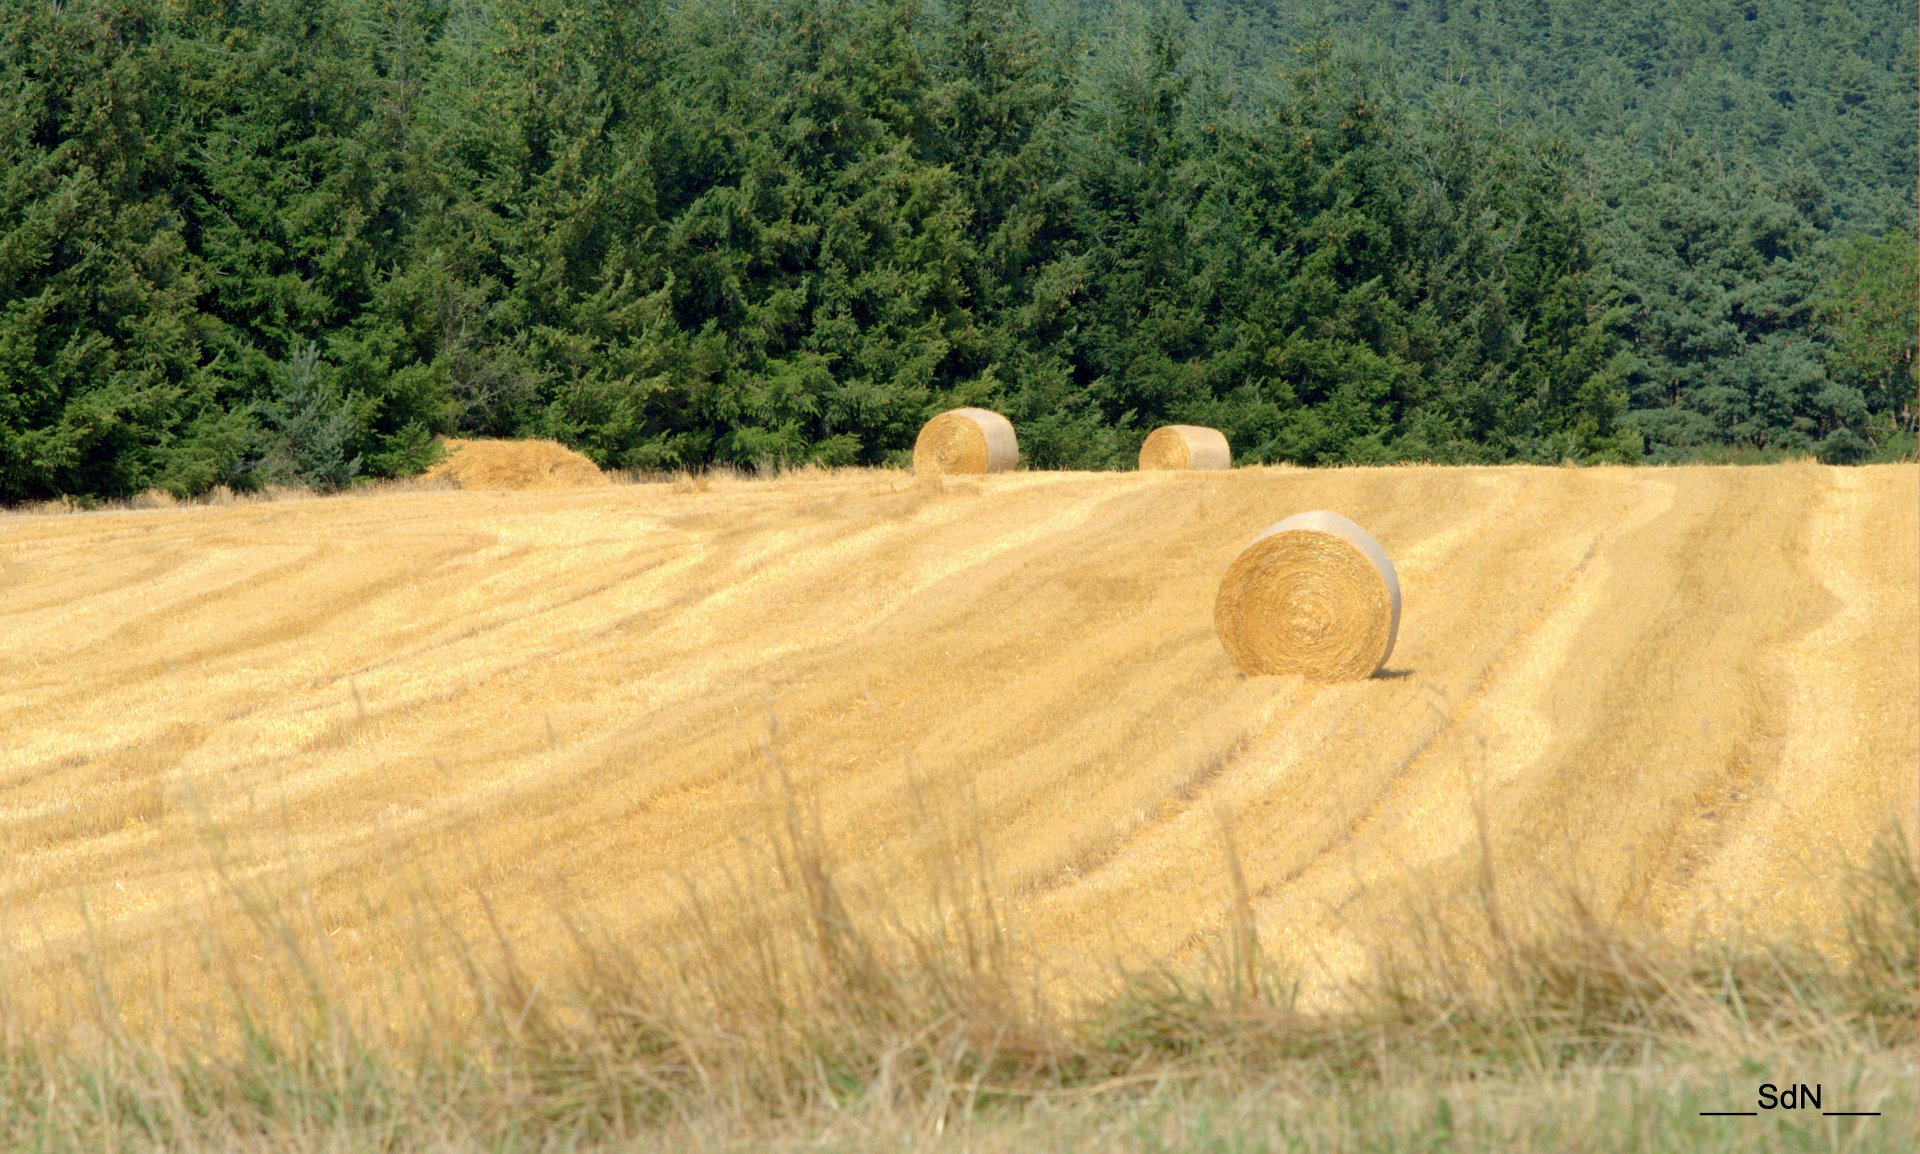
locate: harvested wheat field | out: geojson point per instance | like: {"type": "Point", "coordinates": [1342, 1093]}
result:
{"type": "Point", "coordinates": [1684, 694]}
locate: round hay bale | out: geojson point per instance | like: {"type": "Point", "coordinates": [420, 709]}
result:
{"type": "Point", "coordinates": [1313, 595]}
{"type": "Point", "coordinates": [966, 441]}
{"type": "Point", "coordinates": [1185, 447]}
{"type": "Point", "coordinates": [517, 465]}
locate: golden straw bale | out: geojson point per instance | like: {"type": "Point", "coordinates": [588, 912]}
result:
{"type": "Point", "coordinates": [1313, 595]}
{"type": "Point", "coordinates": [966, 441]}
{"type": "Point", "coordinates": [1185, 447]}
{"type": "Point", "coordinates": [517, 465]}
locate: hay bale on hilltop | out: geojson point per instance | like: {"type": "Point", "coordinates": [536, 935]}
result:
{"type": "Point", "coordinates": [966, 441]}
{"type": "Point", "coordinates": [517, 465]}
{"type": "Point", "coordinates": [1313, 595]}
{"type": "Point", "coordinates": [1186, 447]}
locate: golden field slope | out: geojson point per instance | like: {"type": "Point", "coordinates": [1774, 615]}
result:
{"type": "Point", "coordinates": [1686, 695]}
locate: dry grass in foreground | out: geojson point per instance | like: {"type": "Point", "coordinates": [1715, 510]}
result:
{"type": "Point", "coordinates": [916, 1029]}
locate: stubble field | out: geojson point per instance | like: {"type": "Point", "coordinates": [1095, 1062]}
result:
{"type": "Point", "coordinates": [1682, 696]}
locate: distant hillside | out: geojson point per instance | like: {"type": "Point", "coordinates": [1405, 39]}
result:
{"type": "Point", "coordinates": [1740, 156]}
{"type": "Point", "coordinates": [1821, 93]}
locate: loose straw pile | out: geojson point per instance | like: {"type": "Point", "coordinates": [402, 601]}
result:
{"type": "Point", "coordinates": [1313, 595]}
{"type": "Point", "coordinates": [517, 465]}
{"type": "Point", "coordinates": [966, 441]}
{"type": "Point", "coordinates": [1186, 447]}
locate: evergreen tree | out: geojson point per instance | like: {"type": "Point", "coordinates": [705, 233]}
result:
{"type": "Point", "coordinates": [1871, 304]}
{"type": "Point", "coordinates": [295, 240]}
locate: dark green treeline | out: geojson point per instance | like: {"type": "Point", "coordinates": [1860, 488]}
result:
{"type": "Point", "coordinates": [250, 241]}
{"type": "Point", "coordinates": [1734, 152]}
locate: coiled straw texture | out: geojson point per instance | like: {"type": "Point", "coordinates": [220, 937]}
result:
{"type": "Point", "coordinates": [1313, 595]}
{"type": "Point", "coordinates": [966, 441]}
{"type": "Point", "coordinates": [1186, 447]}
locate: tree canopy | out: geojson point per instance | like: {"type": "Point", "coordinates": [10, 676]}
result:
{"type": "Point", "coordinates": [253, 241]}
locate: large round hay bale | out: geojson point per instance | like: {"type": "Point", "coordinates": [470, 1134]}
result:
{"type": "Point", "coordinates": [1185, 447]}
{"type": "Point", "coordinates": [966, 441]}
{"type": "Point", "coordinates": [1313, 595]}
{"type": "Point", "coordinates": [532, 464]}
